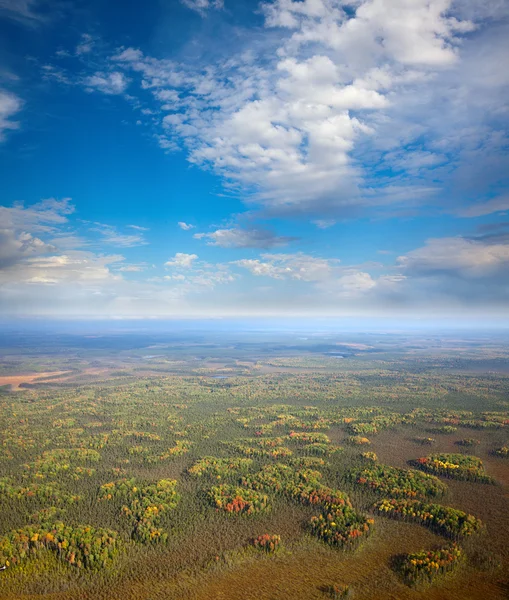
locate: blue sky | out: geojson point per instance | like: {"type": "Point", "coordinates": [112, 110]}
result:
{"type": "Point", "coordinates": [201, 158]}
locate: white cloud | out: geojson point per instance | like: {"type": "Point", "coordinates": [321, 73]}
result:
{"type": "Point", "coordinates": [202, 6]}
{"type": "Point", "coordinates": [111, 235]}
{"type": "Point", "coordinates": [324, 223]}
{"type": "Point", "coordinates": [27, 258]}
{"type": "Point", "coordinates": [14, 247]}
{"type": "Point", "coordinates": [351, 284]}
{"type": "Point", "coordinates": [244, 238]}
{"type": "Point", "coordinates": [181, 260]}
{"type": "Point", "coordinates": [10, 105]}
{"type": "Point", "coordinates": [42, 272]}
{"type": "Point", "coordinates": [343, 109]}
{"type": "Point", "coordinates": [412, 33]}
{"type": "Point", "coordinates": [24, 11]}
{"type": "Point", "coordinates": [138, 227]}
{"type": "Point", "coordinates": [73, 267]}
{"type": "Point", "coordinates": [456, 256]}
{"type": "Point", "coordinates": [54, 278]}
{"type": "Point", "coordinates": [290, 126]}
{"type": "Point", "coordinates": [166, 144]}
{"type": "Point", "coordinates": [297, 266]}
{"type": "Point", "coordinates": [108, 83]}
{"type": "Point", "coordinates": [321, 281]}
{"type": "Point", "coordinates": [414, 161]}
{"type": "Point", "coordinates": [22, 228]}
{"type": "Point", "coordinates": [185, 226]}
{"type": "Point", "coordinates": [86, 45]}
{"type": "Point", "coordinates": [132, 268]}
{"type": "Point", "coordinates": [481, 209]}
{"type": "Point", "coordinates": [44, 216]}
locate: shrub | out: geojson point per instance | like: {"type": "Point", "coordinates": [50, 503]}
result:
{"type": "Point", "coordinates": [268, 543]}
{"type": "Point", "coordinates": [357, 440]}
{"type": "Point", "coordinates": [369, 456]}
{"type": "Point", "coordinates": [502, 452]}
{"type": "Point", "coordinates": [445, 429]}
{"type": "Point", "coordinates": [467, 442]}
{"type": "Point", "coordinates": [425, 441]}
{"type": "Point", "coordinates": [337, 591]}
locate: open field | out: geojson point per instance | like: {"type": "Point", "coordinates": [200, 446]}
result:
{"type": "Point", "coordinates": [16, 381]}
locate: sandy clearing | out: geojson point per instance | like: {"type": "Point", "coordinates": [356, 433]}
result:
{"type": "Point", "coordinates": [15, 381]}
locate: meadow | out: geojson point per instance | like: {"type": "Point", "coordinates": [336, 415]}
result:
{"type": "Point", "coordinates": [262, 468]}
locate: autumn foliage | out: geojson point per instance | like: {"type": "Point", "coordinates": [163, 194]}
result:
{"type": "Point", "coordinates": [442, 519]}
{"type": "Point", "coordinates": [428, 565]}
{"type": "Point", "coordinates": [268, 543]}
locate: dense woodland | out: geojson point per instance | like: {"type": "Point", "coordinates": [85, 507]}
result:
{"type": "Point", "coordinates": [365, 482]}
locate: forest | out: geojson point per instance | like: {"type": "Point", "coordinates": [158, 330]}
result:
{"type": "Point", "coordinates": [283, 473]}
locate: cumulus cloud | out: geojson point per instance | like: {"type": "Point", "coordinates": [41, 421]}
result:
{"type": "Point", "coordinates": [181, 260]}
{"type": "Point", "coordinates": [244, 238]}
{"type": "Point", "coordinates": [45, 271]}
{"type": "Point", "coordinates": [361, 108]}
{"type": "Point", "coordinates": [325, 280]}
{"type": "Point", "coordinates": [14, 247]}
{"type": "Point", "coordinates": [297, 266]}
{"type": "Point", "coordinates": [10, 105]}
{"type": "Point", "coordinates": [29, 263]}
{"type": "Point", "coordinates": [304, 128]}
{"type": "Point", "coordinates": [42, 272]}
{"type": "Point", "coordinates": [22, 228]}
{"type": "Point", "coordinates": [72, 267]}
{"type": "Point", "coordinates": [344, 108]}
